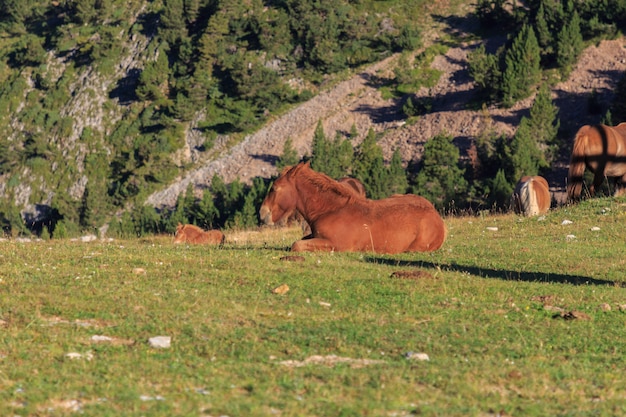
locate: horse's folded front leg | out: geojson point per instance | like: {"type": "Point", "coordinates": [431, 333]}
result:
{"type": "Point", "coordinates": [313, 245]}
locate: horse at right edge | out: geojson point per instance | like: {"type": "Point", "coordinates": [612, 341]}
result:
{"type": "Point", "coordinates": [602, 150]}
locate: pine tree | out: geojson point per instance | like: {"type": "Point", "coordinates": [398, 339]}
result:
{"type": "Point", "coordinates": [191, 10]}
{"type": "Point", "coordinates": [526, 157]}
{"type": "Point", "coordinates": [147, 221]}
{"type": "Point", "coordinates": [289, 156]}
{"type": "Point", "coordinates": [228, 198]}
{"type": "Point", "coordinates": [85, 12]}
{"type": "Point", "coordinates": [11, 220]}
{"type": "Point", "coordinates": [408, 39]}
{"type": "Point", "coordinates": [189, 201]}
{"type": "Point", "coordinates": [544, 123]}
{"type": "Point", "coordinates": [127, 226]}
{"type": "Point", "coordinates": [205, 212]}
{"type": "Point", "coordinates": [485, 71]}
{"type": "Point", "coordinates": [569, 45]}
{"type": "Point", "coordinates": [440, 178]}
{"type": "Point", "coordinates": [500, 191]}
{"type": "Point", "coordinates": [522, 67]}
{"type": "Point", "coordinates": [87, 218]}
{"type": "Point", "coordinates": [177, 215]}
{"type": "Point", "coordinates": [397, 178]}
{"type": "Point", "coordinates": [60, 232]}
{"type": "Point", "coordinates": [45, 233]}
{"type": "Point", "coordinates": [332, 157]}
{"type": "Point", "coordinates": [344, 155]}
{"type": "Point", "coordinates": [544, 35]}
{"type": "Point", "coordinates": [369, 166]}
{"type": "Point", "coordinates": [153, 79]}
{"type": "Point", "coordinates": [247, 216]}
{"type": "Point", "coordinates": [376, 183]}
{"type": "Point", "coordinates": [211, 41]}
{"type": "Point", "coordinates": [354, 133]}
{"type": "Point", "coordinates": [320, 149]}
{"type": "Point", "coordinates": [172, 26]}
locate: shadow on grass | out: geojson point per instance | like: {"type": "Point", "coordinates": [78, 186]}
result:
{"type": "Point", "coordinates": [503, 274]}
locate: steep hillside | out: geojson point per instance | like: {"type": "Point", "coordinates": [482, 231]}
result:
{"type": "Point", "coordinates": [359, 102]}
{"type": "Point", "coordinates": [108, 111]}
{"type": "Point", "coordinates": [103, 103]}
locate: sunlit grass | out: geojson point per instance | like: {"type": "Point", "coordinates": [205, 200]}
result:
{"type": "Point", "coordinates": [490, 309]}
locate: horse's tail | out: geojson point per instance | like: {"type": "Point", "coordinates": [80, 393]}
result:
{"type": "Point", "coordinates": [528, 198]}
{"type": "Point", "coordinates": [577, 165]}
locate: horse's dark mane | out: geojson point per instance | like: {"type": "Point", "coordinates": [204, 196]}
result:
{"type": "Point", "coordinates": [321, 180]}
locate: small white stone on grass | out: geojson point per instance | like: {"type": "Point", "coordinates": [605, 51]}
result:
{"type": "Point", "coordinates": [99, 338]}
{"type": "Point", "coordinates": [570, 237]}
{"type": "Point", "coordinates": [417, 356]}
{"type": "Point", "coordinates": [492, 229]}
{"type": "Point", "coordinates": [564, 222]}
{"type": "Point", "coordinates": [160, 342]}
{"type": "Point", "coordinates": [75, 355]}
{"type": "Point", "coordinates": [595, 229]}
{"type": "Point", "coordinates": [151, 398]}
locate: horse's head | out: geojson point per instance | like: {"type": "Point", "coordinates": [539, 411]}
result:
{"type": "Point", "coordinates": [281, 199]}
{"type": "Point", "coordinates": [179, 235]}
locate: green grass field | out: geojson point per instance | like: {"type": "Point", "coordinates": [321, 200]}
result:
{"type": "Point", "coordinates": [518, 317]}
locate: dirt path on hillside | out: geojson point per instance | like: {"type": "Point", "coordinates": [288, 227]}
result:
{"type": "Point", "coordinates": [357, 102]}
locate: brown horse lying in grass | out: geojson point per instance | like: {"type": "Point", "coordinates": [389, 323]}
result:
{"type": "Point", "coordinates": [531, 196]}
{"type": "Point", "coordinates": [189, 233]}
{"type": "Point", "coordinates": [602, 150]}
{"type": "Point", "coordinates": [341, 220]}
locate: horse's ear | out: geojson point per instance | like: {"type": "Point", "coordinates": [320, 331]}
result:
{"type": "Point", "coordinates": [298, 167]}
{"type": "Point", "coordinates": [284, 170]}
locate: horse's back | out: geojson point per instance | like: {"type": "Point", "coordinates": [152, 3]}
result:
{"type": "Point", "coordinates": [416, 217]}
{"type": "Point", "coordinates": [193, 234]}
{"type": "Point", "coordinates": [396, 224]}
{"type": "Point", "coordinates": [608, 140]}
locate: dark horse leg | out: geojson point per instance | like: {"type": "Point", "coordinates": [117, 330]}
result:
{"type": "Point", "coordinates": [598, 178]}
{"type": "Point", "coordinates": [620, 186]}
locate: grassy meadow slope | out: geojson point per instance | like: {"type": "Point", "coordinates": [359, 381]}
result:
{"type": "Point", "coordinates": [517, 316]}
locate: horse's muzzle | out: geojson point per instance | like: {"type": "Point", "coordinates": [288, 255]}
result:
{"type": "Point", "coordinates": [265, 214]}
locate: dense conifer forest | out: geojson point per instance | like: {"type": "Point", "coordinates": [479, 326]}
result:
{"type": "Point", "coordinates": [97, 99]}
